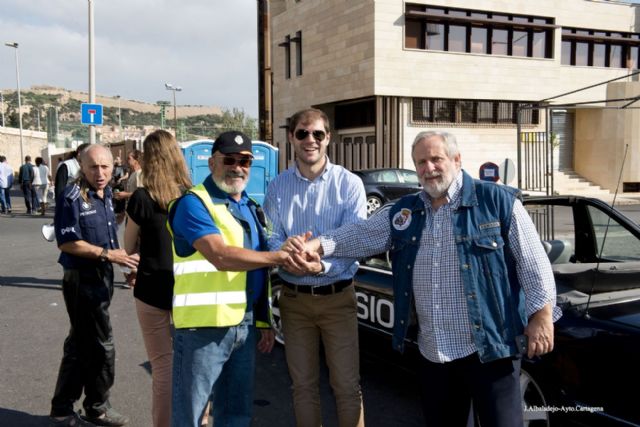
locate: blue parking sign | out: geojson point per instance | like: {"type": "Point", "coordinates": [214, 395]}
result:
{"type": "Point", "coordinates": [91, 114]}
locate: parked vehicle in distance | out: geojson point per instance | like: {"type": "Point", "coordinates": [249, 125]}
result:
{"type": "Point", "coordinates": [384, 185]}
{"type": "Point", "coordinates": [589, 377]}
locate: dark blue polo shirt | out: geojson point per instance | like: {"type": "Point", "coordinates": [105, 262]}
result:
{"type": "Point", "coordinates": [92, 221]}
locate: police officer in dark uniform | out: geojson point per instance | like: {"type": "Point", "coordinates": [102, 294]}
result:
{"type": "Point", "coordinates": [85, 226]}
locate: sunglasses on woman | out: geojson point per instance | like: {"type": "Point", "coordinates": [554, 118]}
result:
{"type": "Point", "coordinates": [318, 135]}
{"type": "Point", "coordinates": [244, 162]}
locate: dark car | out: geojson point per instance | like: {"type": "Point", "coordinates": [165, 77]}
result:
{"type": "Point", "coordinates": [591, 376]}
{"type": "Point", "coordinates": [384, 185]}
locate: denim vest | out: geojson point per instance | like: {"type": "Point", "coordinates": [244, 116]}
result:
{"type": "Point", "coordinates": [495, 299]}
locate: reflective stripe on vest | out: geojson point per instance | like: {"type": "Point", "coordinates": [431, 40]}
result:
{"type": "Point", "coordinates": [202, 295]}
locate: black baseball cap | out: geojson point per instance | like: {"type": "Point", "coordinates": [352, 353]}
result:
{"type": "Point", "coordinates": [232, 142]}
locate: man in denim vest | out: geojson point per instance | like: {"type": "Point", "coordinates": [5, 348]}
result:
{"type": "Point", "coordinates": [467, 257]}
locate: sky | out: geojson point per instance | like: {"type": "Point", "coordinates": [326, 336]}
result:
{"type": "Point", "coordinates": [207, 47]}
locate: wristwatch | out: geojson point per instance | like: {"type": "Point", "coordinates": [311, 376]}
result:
{"type": "Point", "coordinates": [104, 255]}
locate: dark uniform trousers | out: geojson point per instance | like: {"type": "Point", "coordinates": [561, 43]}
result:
{"type": "Point", "coordinates": [89, 353]}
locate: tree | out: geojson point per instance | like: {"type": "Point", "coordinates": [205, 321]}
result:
{"type": "Point", "coordinates": [237, 119]}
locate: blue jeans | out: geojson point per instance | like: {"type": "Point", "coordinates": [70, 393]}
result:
{"type": "Point", "coordinates": [3, 202]}
{"type": "Point", "coordinates": [218, 360]}
{"type": "Point", "coordinates": [7, 196]}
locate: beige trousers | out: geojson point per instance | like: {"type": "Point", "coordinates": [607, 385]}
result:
{"type": "Point", "coordinates": [307, 319]}
{"type": "Point", "coordinates": [156, 332]}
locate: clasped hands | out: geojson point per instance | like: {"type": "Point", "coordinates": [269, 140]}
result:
{"type": "Point", "coordinates": [304, 258]}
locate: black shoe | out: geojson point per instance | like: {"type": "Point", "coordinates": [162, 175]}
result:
{"type": "Point", "coordinates": [111, 418]}
{"type": "Point", "coordinates": [70, 421]}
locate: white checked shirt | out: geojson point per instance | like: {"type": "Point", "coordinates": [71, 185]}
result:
{"type": "Point", "coordinates": [444, 329]}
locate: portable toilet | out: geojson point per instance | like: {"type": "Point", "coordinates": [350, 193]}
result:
{"type": "Point", "coordinates": [263, 170]}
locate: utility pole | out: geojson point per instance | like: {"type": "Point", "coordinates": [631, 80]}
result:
{"type": "Point", "coordinates": [92, 72]}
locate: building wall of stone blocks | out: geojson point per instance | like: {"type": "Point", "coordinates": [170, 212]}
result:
{"type": "Point", "coordinates": [602, 136]}
{"type": "Point", "coordinates": [413, 72]}
{"type": "Point", "coordinates": [355, 49]}
{"type": "Point", "coordinates": [337, 55]}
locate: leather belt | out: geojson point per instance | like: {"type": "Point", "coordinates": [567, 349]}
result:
{"type": "Point", "coordinates": [330, 289]}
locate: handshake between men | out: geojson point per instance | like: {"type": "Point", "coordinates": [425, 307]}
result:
{"type": "Point", "coordinates": [304, 255]}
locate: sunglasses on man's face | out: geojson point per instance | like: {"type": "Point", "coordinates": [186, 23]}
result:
{"type": "Point", "coordinates": [302, 134]}
{"type": "Point", "coordinates": [244, 162]}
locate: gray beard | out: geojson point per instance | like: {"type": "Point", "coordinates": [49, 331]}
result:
{"type": "Point", "coordinates": [231, 189]}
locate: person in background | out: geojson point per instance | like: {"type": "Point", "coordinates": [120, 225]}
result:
{"type": "Point", "coordinates": [118, 182]}
{"type": "Point", "coordinates": [165, 177]}
{"type": "Point", "coordinates": [134, 180]}
{"type": "Point", "coordinates": [467, 258]}
{"type": "Point", "coordinates": [6, 182]}
{"type": "Point", "coordinates": [35, 184]}
{"type": "Point", "coordinates": [42, 184]}
{"type": "Point", "coordinates": [68, 171]}
{"type": "Point", "coordinates": [318, 302]}
{"type": "Point", "coordinates": [25, 178]}
{"type": "Point", "coordinates": [86, 233]}
{"type": "Point", "coordinates": [221, 291]}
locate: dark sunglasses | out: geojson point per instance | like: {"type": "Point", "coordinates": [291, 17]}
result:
{"type": "Point", "coordinates": [244, 162]}
{"type": "Point", "coordinates": [318, 135]}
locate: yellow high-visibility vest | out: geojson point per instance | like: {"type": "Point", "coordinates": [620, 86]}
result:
{"type": "Point", "coordinates": [202, 295]}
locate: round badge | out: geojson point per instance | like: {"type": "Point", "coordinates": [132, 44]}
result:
{"type": "Point", "coordinates": [238, 140]}
{"type": "Point", "coordinates": [402, 219]}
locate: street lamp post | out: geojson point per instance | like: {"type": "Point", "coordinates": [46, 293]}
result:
{"type": "Point", "coordinates": [174, 89]}
{"type": "Point", "coordinates": [15, 46]}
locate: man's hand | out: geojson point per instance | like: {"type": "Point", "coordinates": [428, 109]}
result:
{"type": "Point", "coordinates": [303, 264]}
{"type": "Point", "coordinates": [265, 345]}
{"type": "Point", "coordinates": [540, 332]}
{"type": "Point", "coordinates": [120, 257]}
{"type": "Point", "coordinates": [296, 244]}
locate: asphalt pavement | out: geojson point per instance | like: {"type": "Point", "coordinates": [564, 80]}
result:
{"type": "Point", "coordinates": [34, 323]}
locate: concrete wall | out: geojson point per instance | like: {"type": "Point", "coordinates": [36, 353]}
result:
{"type": "Point", "coordinates": [602, 135]}
{"type": "Point", "coordinates": [33, 143]}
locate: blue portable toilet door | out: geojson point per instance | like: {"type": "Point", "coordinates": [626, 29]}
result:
{"type": "Point", "coordinates": [196, 154]}
{"type": "Point", "coordinates": [263, 169]}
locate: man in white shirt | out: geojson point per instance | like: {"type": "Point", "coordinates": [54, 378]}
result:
{"type": "Point", "coordinates": [6, 182]}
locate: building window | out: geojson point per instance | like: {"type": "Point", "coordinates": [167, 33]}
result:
{"type": "Point", "coordinates": [287, 56]}
{"type": "Point", "coordinates": [461, 30]}
{"type": "Point", "coordinates": [471, 111]}
{"type": "Point", "coordinates": [597, 48]}
{"type": "Point", "coordinates": [298, 41]}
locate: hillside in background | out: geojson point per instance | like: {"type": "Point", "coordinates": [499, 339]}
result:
{"type": "Point", "coordinates": [193, 120]}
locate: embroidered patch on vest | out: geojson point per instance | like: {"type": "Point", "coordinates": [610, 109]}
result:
{"type": "Point", "coordinates": [402, 219]}
{"type": "Point", "coordinates": [495, 224]}
{"type": "Point", "coordinates": [86, 206]}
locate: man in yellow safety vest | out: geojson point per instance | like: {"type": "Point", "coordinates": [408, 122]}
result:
{"type": "Point", "coordinates": [221, 292]}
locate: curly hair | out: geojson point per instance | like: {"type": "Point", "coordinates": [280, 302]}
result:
{"type": "Point", "coordinates": [164, 170]}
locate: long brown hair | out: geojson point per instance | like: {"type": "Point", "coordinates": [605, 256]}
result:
{"type": "Point", "coordinates": [164, 171]}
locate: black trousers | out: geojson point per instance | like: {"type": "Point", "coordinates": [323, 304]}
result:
{"type": "Point", "coordinates": [88, 361]}
{"type": "Point", "coordinates": [449, 389]}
